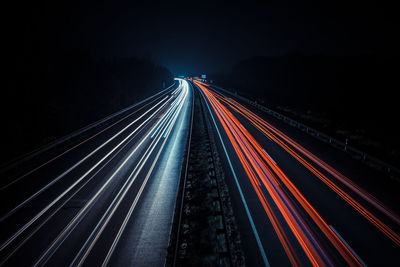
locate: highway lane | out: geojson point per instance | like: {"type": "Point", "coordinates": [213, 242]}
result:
{"type": "Point", "coordinates": [75, 209]}
{"type": "Point", "coordinates": [301, 210]}
{"type": "Point", "coordinates": [31, 162]}
{"type": "Point", "coordinates": [149, 250]}
{"type": "Point", "coordinates": [49, 165]}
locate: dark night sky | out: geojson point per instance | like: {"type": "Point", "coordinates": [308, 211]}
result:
{"type": "Point", "coordinates": [194, 37]}
{"type": "Point", "coordinates": [47, 44]}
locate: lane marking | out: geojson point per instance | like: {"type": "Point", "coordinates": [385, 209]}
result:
{"type": "Point", "coordinates": [348, 246]}
{"type": "Point", "coordinates": [77, 145]}
{"type": "Point", "coordinates": [29, 223]}
{"type": "Point", "coordinates": [103, 222]}
{"type": "Point", "coordinates": [184, 181]}
{"type": "Point", "coordinates": [80, 215]}
{"type": "Point", "coordinates": [260, 247]}
{"type": "Point", "coordinates": [270, 156]}
{"type": "Point", "coordinates": [38, 151]}
{"type": "Point", "coordinates": [23, 203]}
{"type": "Point", "coordinates": [65, 201]}
{"type": "Point", "coordinates": [128, 216]}
{"type": "Point", "coordinates": [272, 187]}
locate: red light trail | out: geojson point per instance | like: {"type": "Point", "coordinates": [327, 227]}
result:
{"type": "Point", "coordinates": [274, 133]}
{"type": "Point", "coordinates": [264, 174]}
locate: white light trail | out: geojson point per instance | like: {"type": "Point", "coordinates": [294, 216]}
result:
{"type": "Point", "coordinates": [115, 203]}
{"type": "Point", "coordinates": [38, 215]}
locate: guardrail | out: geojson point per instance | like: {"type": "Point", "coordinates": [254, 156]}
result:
{"type": "Point", "coordinates": [57, 142]}
{"type": "Point", "coordinates": [366, 158]}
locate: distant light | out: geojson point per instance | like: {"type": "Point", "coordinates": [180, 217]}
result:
{"type": "Point", "coordinates": [203, 76]}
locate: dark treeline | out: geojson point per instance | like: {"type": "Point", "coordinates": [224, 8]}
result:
{"type": "Point", "coordinates": [56, 80]}
{"type": "Point", "coordinates": [349, 97]}
{"type": "Point", "coordinates": [43, 100]}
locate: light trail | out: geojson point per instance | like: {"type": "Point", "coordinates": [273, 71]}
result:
{"type": "Point", "coordinates": [269, 131]}
{"type": "Point", "coordinates": [79, 144]}
{"type": "Point", "coordinates": [244, 202]}
{"type": "Point", "coordinates": [178, 109]}
{"type": "Point", "coordinates": [355, 254]}
{"type": "Point", "coordinates": [342, 178]}
{"type": "Point", "coordinates": [176, 105]}
{"type": "Point", "coordinates": [237, 143]}
{"type": "Point", "coordinates": [61, 205]}
{"type": "Point", "coordinates": [129, 214]}
{"type": "Point", "coordinates": [112, 207]}
{"type": "Point", "coordinates": [33, 196]}
{"type": "Point", "coordinates": [161, 105]}
{"type": "Point", "coordinates": [251, 156]}
{"type": "Point", "coordinates": [97, 231]}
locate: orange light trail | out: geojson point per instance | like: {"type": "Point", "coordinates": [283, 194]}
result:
{"type": "Point", "coordinates": [346, 181]}
{"type": "Point", "coordinates": [269, 131]}
{"type": "Point", "coordinates": [257, 164]}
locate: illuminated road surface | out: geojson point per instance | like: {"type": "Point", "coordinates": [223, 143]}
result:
{"type": "Point", "coordinates": [293, 207]}
{"type": "Point", "coordinates": [110, 200]}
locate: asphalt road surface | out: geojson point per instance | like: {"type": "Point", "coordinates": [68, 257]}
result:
{"type": "Point", "coordinates": [298, 200]}
{"type": "Point", "coordinates": [108, 199]}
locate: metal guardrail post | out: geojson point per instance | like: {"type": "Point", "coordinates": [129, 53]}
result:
{"type": "Point", "coordinates": [364, 156]}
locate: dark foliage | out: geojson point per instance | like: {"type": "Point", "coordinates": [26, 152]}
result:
{"type": "Point", "coordinates": [56, 80]}
{"type": "Point", "coordinates": [354, 94]}
{"type": "Point", "coordinates": [45, 99]}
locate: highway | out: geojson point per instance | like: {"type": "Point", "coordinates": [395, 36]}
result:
{"type": "Point", "coordinates": [299, 201]}
{"type": "Point", "coordinates": [107, 196]}
{"type": "Point", "coordinates": [107, 199]}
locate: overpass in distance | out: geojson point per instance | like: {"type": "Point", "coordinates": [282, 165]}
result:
{"type": "Point", "coordinates": [110, 195]}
